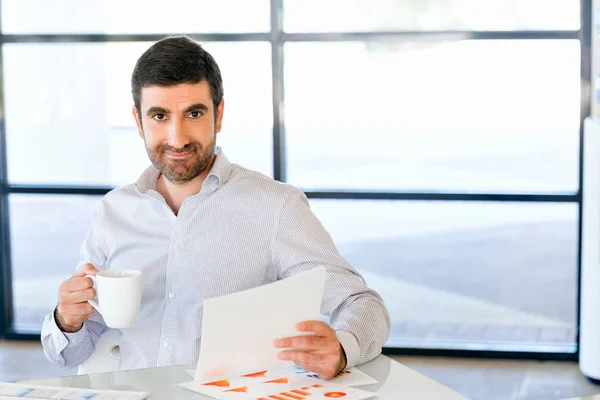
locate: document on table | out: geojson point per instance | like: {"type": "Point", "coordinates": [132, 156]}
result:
{"type": "Point", "coordinates": [350, 377]}
{"type": "Point", "coordinates": [238, 330]}
{"type": "Point", "coordinates": [12, 391]}
{"type": "Point", "coordinates": [274, 383]}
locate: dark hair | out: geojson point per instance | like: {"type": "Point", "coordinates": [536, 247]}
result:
{"type": "Point", "coordinates": [172, 61]}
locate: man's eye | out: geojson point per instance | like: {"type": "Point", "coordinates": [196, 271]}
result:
{"type": "Point", "coordinates": [159, 117]}
{"type": "Point", "coordinates": [195, 114]}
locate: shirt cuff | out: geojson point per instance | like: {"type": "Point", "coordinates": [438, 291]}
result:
{"type": "Point", "coordinates": [64, 339]}
{"type": "Point", "coordinates": [350, 346]}
{"type": "Point", "coordinates": [76, 337]}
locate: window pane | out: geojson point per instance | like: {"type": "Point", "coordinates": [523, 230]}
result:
{"type": "Point", "coordinates": [134, 16]}
{"type": "Point", "coordinates": [467, 116]}
{"type": "Point", "coordinates": [457, 274]}
{"type": "Point", "coordinates": [46, 234]}
{"type": "Point", "coordinates": [73, 125]}
{"type": "Point", "coordinates": [427, 15]}
{"type": "Point", "coordinates": [465, 274]}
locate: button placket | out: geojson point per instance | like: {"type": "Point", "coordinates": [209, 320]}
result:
{"type": "Point", "coordinates": [166, 337]}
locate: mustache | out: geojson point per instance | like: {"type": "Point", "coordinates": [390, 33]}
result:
{"type": "Point", "coordinates": [193, 146]}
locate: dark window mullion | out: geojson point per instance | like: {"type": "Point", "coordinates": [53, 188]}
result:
{"type": "Point", "coordinates": [585, 37]}
{"type": "Point", "coordinates": [277, 35]}
{"type": "Point", "coordinates": [108, 38]}
{"type": "Point", "coordinates": [429, 35]}
{"type": "Point", "coordinates": [58, 189]}
{"type": "Point", "coordinates": [336, 194]}
{"type": "Point", "coordinates": [279, 148]}
{"type": "Point", "coordinates": [444, 196]}
{"type": "Point", "coordinates": [6, 297]}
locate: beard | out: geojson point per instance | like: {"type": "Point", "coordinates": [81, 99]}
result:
{"type": "Point", "coordinates": [181, 171]}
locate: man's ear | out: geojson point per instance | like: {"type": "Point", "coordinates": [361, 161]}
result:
{"type": "Point", "coordinates": [219, 120]}
{"type": "Point", "coordinates": [137, 121]}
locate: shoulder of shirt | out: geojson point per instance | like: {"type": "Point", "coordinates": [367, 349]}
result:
{"type": "Point", "coordinates": [240, 175]}
{"type": "Point", "coordinates": [118, 197]}
{"type": "Point", "coordinates": [121, 198]}
{"type": "Point", "coordinates": [126, 190]}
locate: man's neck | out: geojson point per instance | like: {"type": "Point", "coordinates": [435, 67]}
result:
{"type": "Point", "coordinates": [176, 193]}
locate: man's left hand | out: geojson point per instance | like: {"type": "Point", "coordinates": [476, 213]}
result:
{"type": "Point", "coordinates": [321, 353]}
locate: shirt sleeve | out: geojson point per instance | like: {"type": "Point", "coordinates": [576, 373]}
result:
{"type": "Point", "coordinates": [355, 311]}
{"type": "Point", "coordinates": [68, 350]}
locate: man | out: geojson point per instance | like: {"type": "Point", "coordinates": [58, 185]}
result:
{"type": "Point", "coordinates": [198, 226]}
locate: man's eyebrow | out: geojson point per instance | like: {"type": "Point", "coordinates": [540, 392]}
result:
{"type": "Point", "coordinates": [156, 109]}
{"type": "Point", "coordinates": [195, 107]}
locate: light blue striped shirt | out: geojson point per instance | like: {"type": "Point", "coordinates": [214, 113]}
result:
{"type": "Point", "coordinates": [240, 231]}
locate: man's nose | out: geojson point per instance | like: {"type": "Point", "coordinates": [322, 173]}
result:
{"type": "Point", "coordinates": [177, 137]}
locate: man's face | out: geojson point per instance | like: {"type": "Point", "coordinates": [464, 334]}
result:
{"type": "Point", "coordinates": [179, 128]}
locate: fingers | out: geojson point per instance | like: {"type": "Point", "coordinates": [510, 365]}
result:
{"type": "Point", "coordinates": [75, 284]}
{"type": "Point", "coordinates": [75, 310]}
{"type": "Point", "coordinates": [304, 357]}
{"type": "Point", "coordinates": [73, 295]}
{"type": "Point", "coordinates": [326, 366]}
{"type": "Point", "coordinates": [321, 353]}
{"type": "Point", "coordinates": [325, 371]}
{"type": "Point", "coordinates": [301, 342]}
{"type": "Point", "coordinates": [324, 337]}
{"type": "Point", "coordinates": [78, 280]}
{"type": "Point", "coordinates": [86, 269]}
{"type": "Point", "coordinates": [80, 296]}
{"type": "Point", "coordinates": [318, 327]}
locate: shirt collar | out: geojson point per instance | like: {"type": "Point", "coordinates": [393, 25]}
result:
{"type": "Point", "coordinates": [217, 176]}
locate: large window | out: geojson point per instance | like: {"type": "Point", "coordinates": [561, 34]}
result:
{"type": "Point", "coordinates": [486, 275]}
{"type": "Point", "coordinates": [438, 142]}
{"type": "Point", "coordinates": [75, 118]}
{"type": "Point", "coordinates": [465, 116]}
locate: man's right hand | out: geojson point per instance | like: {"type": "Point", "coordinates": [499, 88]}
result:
{"type": "Point", "coordinates": [73, 295]}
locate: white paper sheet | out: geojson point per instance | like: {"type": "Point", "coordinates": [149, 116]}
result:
{"type": "Point", "coordinates": [239, 329]}
{"type": "Point", "coordinates": [350, 377]}
{"type": "Point", "coordinates": [24, 391]}
{"type": "Point", "coordinates": [272, 384]}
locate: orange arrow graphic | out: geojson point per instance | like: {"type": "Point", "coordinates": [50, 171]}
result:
{"type": "Point", "coordinates": [240, 389]}
{"type": "Point", "coordinates": [223, 383]}
{"type": "Point", "coordinates": [278, 380]}
{"type": "Point", "coordinates": [260, 374]}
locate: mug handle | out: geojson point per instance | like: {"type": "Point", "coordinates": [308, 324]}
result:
{"type": "Point", "coordinates": [94, 303]}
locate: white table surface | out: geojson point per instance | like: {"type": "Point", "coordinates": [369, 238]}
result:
{"type": "Point", "coordinates": [396, 381]}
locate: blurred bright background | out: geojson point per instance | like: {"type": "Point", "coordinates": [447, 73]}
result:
{"type": "Point", "coordinates": [425, 113]}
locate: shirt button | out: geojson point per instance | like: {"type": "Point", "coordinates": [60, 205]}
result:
{"type": "Point", "coordinates": [165, 343]}
{"type": "Point", "coordinates": [175, 247]}
{"type": "Point", "coordinates": [171, 295]}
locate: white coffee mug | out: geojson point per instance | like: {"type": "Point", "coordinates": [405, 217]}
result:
{"type": "Point", "coordinates": [119, 294]}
